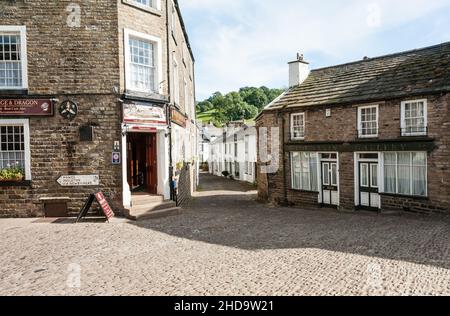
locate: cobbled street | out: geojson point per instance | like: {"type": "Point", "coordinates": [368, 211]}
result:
{"type": "Point", "coordinates": [226, 243]}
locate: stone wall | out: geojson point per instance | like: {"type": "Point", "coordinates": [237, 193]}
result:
{"type": "Point", "coordinates": [79, 62]}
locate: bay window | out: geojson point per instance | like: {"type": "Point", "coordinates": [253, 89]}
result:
{"type": "Point", "coordinates": [13, 57]}
{"type": "Point", "coordinates": [405, 173]}
{"type": "Point", "coordinates": [304, 171]}
{"type": "Point", "coordinates": [414, 118]}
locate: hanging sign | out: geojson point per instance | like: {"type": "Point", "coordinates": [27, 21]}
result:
{"type": "Point", "coordinates": [139, 113]}
{"type": "Point", "coordinates": [26, 107]}
{"type": "Point", "coordinates": [179, 118]}
{"type": "Point", "coordinates": [79, 180]}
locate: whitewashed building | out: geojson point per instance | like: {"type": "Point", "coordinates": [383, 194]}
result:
{"type": "Point", "coordinates": [234, 153]}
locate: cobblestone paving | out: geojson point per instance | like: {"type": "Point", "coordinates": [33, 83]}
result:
{"type": "Point", "coordinates": [227, 244]}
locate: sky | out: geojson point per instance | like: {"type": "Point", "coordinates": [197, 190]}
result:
{"type": "Point", "coordinates": [239, 43]}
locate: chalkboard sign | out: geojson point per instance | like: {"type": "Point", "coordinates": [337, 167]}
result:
{"type": "Point", "coordinates": [100, 198]}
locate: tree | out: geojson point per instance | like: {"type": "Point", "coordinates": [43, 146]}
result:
{"type": "Point", "coordinates": [234, 106]}
{"type": "Point", "coordinates": [204, 106]}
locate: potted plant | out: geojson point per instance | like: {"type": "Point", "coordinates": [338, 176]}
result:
{"type": "Point", "coordinates": [12, 173]}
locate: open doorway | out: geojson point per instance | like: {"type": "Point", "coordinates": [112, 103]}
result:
{"type": "Point", "coordinates": [142, 163]}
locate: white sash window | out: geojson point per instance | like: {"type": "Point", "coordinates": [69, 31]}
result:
{"type": "Point", "coordinates": [15, 146]}
{"type": "Point", "coordinates": [143, 59]}
{"type": "Point", "coordinates": [13, 57]}
{"type": "Point", "coordinates": [298, 126]}
{"type": "Point", "coordinates": [414, 118]}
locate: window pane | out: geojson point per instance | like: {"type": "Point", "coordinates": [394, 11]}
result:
{"type": "Point", "coordinates": [374, 176]}
{"type": "Point", "coordinates": [404, 173]}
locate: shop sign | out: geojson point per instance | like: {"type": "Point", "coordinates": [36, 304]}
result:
{"type": "Point", "coordinates": [107, 210]}
{"type": "Point", "coordinates": [101, 200]}
{"type": "Point", "coordinates": [79, 180]}
{"type": "Point", "coordinates": [179, 118]}
{"type": "Point", "coordinates": [26, 107]}
{"type": "Point", "coordinates": [143, 129]}
{"type": "Point", "coordinates": [139, 113]}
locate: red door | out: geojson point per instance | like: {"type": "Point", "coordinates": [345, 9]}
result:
{"type": "Point", "coordinates": [151, 164]}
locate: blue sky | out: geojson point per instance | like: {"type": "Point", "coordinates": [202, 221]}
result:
{"type": "Point", "coordinates": [249, 42]}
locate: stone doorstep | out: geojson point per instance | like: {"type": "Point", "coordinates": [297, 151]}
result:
{"type": "Point", "coordinates": [156, 214]}
{"type": "Point", "coordinates": [152, 210]}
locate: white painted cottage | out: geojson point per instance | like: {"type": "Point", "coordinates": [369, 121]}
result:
{"type": "Point", "coordinates": [235, 152]}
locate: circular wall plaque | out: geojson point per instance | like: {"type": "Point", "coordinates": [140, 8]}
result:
{"type": "Point", "coordinates": [68, 109]}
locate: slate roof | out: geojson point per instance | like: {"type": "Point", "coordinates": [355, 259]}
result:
{"type": "Point", "coordinates": [419, 71]}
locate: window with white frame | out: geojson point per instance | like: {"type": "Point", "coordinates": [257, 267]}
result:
{"type": "Point", "coordinates": [414, 118]}
{"type": "Point", "coordinates": [368, 121]}
{"type": "Point", "coordinates": [304, 171]}
{"type": "Point", "coordinates": [143, 62]}
{"type": "Point", "coordinates": [298, 126]}
{"type": "Point", "coordinates": [15, 148]}
{"type": "Point", "coordinates": [405, 173]}
{"type": "Point", "coordinates": [187, 108]}
{"type": "Point", "coordinates": [176, 82]}
{"type": "Point", "coordinates": [13, 57]}
{"type": "Point", "coordinates": [148, 3]}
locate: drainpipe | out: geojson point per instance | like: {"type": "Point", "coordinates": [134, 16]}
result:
{"type": "Point", "coordinates": [169, 108]}
{"type": "Point", "coordinates": [285, 179]}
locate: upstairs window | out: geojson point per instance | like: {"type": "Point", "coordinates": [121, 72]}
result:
{"type": "Point", "coordinates": [176, 82]}
{"type": "Point", "coordinates": [143, 59]}
{"type": "Point", "coordinates": [145, 4]}
{"type": "Point", "coordinates": [298, 126]}
{"type": "Point", "coordinates": [414, 118]}
{"type": "Point", "coordinates": [368, 121]}
{"type": "Point", "coordinates": [173, 21]}
{"type": "Point", "coordinates": [13, 57]}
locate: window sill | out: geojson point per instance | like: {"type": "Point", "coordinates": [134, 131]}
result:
{"type": "Point", "coordinates": [142, 7]}
{"type": "Point", "coordinates": [297, 139]}
{"type": "Point", "coordinates": [24, 183]}
{"type": "Point", "coordinates": [414, 135]}
{"type": "Point", "coordinates": [414, 197]}
{"type": "Point", "coordinates": [13, 91]}
{"type": "Point", "coordinates": [367, 137]}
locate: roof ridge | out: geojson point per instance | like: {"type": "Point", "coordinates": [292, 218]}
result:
{"type": "Point", "coordinates": [383, 56]}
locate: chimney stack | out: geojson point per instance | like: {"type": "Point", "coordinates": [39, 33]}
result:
{"type": "Point", "coordinates": [298, 71]}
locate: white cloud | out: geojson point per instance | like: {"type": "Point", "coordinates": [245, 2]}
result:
{"type": "Point", "coordinates": [249, 42]}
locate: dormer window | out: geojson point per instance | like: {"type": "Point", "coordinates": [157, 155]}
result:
{"type": "Point", "coordinates": [298, 126]}
{"type": "Point", "coordinates": [414, 118]}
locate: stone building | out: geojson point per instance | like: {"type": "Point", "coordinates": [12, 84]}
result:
{"type": "Point", "coordinates": [234, 152]}
{"type": "Point", "coordinates": [95, 95]}
{"type": "Point", "coordinates": [372, 134]}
